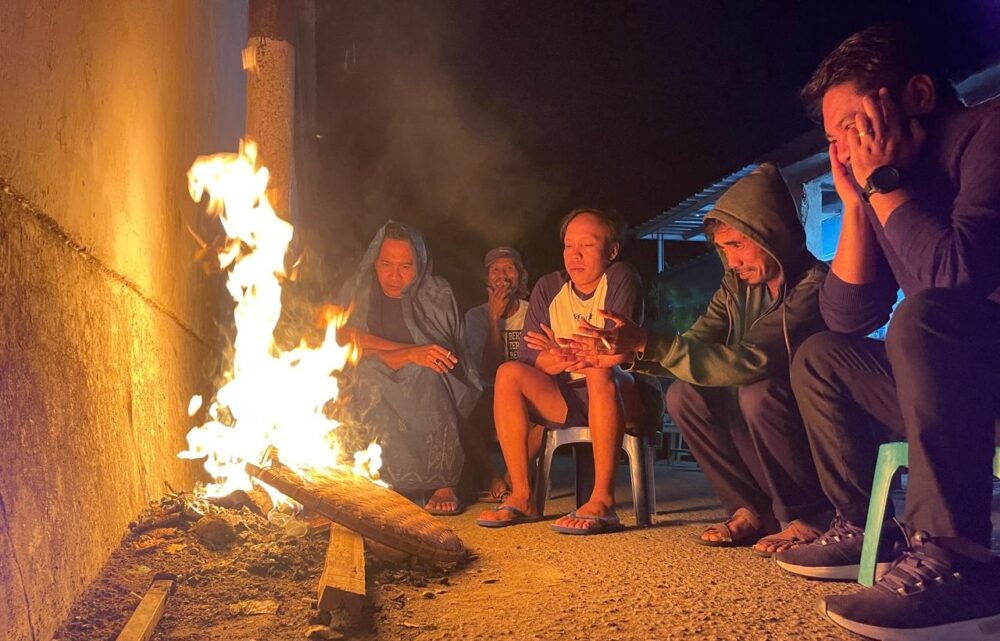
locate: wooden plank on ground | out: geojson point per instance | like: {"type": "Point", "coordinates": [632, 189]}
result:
{"type": "Point", "coordinates": [372, 511]}
{"type": "Point", "coordinates": [342, 584]}
{"type": "Point", "coordinates": [147, 614]}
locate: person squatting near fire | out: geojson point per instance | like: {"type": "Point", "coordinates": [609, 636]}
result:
{"type": "Point", "coordinates": [415, 382]}
{"type": "Point", "coordinates": [544, 387]}
{"type": "Point", "coordinates": [493, 331]}
{"type": "Point", "coordinates": [919, 177]}
{"type": "Point", "coordinates": [732, 399]}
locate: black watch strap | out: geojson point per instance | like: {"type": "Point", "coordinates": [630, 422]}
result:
{"type": "Point", "coordinates": [883, 180]}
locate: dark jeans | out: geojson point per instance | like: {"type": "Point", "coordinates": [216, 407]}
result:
{"type": "Point", "coordinates": [934, 382]}
{"type": "Point", "coordinates": [752, 446]}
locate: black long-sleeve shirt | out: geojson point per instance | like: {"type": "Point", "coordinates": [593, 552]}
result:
{"type": "Point", "coordinates": [947, 235]}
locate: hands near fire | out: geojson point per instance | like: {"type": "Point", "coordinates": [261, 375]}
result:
{"type": "Point", "coordinates": [545, 342]}
{"type": "Point", "coordinates": [435, 357]}
{"type": "Point", "coordinates": [883, 138]}
{"type": "Point", "coordinates": [600, 347]}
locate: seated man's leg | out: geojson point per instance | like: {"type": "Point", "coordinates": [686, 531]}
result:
{"type": "Point", "coordinates": [519, 388]}
{"type": "Point", "coordinates": [479, 469]}
{"type": "Point", "coordinates": [607, 393]}
{"type": "Point", "coordinates": [785, 462]}
{"type": "Point", "coordinates": [944, 346]}
{"type": "Point", "coordinates": [710, 423]}
{"type": "Point", "coordinates": [846, 394]}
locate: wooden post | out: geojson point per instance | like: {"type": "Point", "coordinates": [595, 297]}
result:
{"type": "Point", "coordinates": [342, 584]}
{"type": "Point", "coordinates": [269, 60]}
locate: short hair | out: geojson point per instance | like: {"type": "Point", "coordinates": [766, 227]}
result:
{"type": "Point", "coordinates": [610, 219]}
{"type": "Point", "coordinates": [880, 56]}
{"type": "Point", "coordinates": [710, 225]}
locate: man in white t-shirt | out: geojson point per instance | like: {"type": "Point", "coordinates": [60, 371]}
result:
{"type": "Point", "coordinates": [546, 385]}
{"type": "Point", "coordinates": [493, 333]}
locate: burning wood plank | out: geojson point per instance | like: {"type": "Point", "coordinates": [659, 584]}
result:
{"type": "Point", "coordinates": [143, 621]}
{"type": "Point", "coordinates": [370, 510]}
{"type": "Point", "coordinates": [342, 584]}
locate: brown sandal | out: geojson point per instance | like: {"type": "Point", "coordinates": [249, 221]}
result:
{"type": "Point", "coordinates": [797, 533]}
{"type": "Point", "coordinates": [723, 529]}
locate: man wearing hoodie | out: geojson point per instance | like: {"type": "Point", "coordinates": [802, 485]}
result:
{"type": "Point", "coordinates": [919, 176]}
{"type": "Point", "coordinates": [732, 400]}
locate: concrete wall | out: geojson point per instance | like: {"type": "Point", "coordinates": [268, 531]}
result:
{"type": "Point", "coordinates": [107, 324]}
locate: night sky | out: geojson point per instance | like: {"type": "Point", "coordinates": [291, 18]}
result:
{"type": "Point", "coordinates": [484, 122]}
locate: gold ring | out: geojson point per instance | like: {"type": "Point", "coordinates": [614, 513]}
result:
{"type": "Point", "coordinates": [448, 355]}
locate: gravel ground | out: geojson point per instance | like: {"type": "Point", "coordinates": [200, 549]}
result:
{"type": "Point", "coordinates": [523, 582]}
{"type": "Point", "coordinates": [655, 583]}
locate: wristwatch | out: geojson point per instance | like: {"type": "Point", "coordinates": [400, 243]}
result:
{"type": "Point", "coordinates": [881, 181]}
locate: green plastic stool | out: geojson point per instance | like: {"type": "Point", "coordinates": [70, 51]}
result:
{"type": "Point", "coordinates": [891, 457]}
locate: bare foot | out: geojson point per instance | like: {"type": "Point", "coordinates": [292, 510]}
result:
{"type": "Point", "coordinates": [590, 508]}
{"type": "Point", "coordinates": [443, 501]}
{"type": "Point", "coordinates": [797, 533]}
{"type": "Point", "coordinates": [520, 504]}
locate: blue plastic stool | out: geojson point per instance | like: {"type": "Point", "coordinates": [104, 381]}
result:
{"type": "Point", "coordinates": [891, 457]}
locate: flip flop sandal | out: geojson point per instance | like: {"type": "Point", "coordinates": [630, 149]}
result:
{"type": "Point", "coordinates": [489, 496]}
{"type": "Point", "coordinates": [602, 525]}
{"type": "Point", "coordinates": [517, 517]}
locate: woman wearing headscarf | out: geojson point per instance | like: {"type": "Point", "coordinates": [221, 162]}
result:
{"type": "Point", "coordinates": [419, 381]}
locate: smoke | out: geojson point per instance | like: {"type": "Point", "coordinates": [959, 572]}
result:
{"type": "Point", "coordinates": [407, 136]}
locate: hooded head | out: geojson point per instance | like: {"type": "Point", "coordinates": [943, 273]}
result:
{"type": "Point", "coordinates": [398, 259]}
{"type": "Point", "coordinates": [760, 207]}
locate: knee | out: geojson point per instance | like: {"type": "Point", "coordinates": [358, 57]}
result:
{"type": "Point", "coordinates": [756, 397]}
{"type": "Point", "coordinates": [814, 356]}
{"type": "Point", "coordinates": [601, 382]}
{"type": "Point", "coordinates": [918, 316]}
{"type": "Point", "coordinates": [679, 397]}
{"type": "Point", "coordinates": [508, 377]}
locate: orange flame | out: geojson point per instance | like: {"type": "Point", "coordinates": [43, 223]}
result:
{"type": "Point", "coordinates": [272, 401]}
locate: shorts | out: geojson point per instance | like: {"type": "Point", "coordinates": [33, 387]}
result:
{"type": "Point", "coordinates": [575, 395]}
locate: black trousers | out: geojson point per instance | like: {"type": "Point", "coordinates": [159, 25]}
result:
{"type": "Point", "coordinates": [750, 443]}
{"type": "Point", "coordinates": [934, 382]}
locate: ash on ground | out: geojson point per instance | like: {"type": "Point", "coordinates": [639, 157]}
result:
{"type": "Point", "coordinates": [240, 576]}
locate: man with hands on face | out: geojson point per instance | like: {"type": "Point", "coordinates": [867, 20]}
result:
{"type": "Point", "coordinates": [546, 386]}
{"type": "Point", "coordinates": [493, 332]}
{"type": "Point", "coordinates": [919, 177]}
{"type": "Point", "coordinates": [732, 399]}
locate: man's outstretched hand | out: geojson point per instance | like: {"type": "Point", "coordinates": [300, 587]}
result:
{"type": "Point", "coordinates": [623, 337]}
{"type": "Point", "coordinates": [606, 347]}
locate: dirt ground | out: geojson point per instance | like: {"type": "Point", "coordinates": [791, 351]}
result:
{"type": "Point", "coordinates": [523, 582]}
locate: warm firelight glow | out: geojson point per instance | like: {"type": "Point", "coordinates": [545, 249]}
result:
{"type": "Point", "coordinates": [272, 403]}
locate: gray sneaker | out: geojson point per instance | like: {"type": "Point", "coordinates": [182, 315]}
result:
{"type": "Point", "coordinates": [929, 594]}
{"type": "Point", "coordinates": [836, 556]}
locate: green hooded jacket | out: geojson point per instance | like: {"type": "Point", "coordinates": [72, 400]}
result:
{"type": "Point", "coordinates": [741, 339]}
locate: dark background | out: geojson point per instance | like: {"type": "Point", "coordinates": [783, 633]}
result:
{"type": "Point", "coordinates": [482, 123]}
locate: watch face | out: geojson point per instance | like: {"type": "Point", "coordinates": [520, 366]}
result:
{"type": "Point", "coordinates": [884, 179]}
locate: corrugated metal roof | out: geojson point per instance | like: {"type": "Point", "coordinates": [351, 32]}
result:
{"type": "Point", "coordinates": [684, 220]}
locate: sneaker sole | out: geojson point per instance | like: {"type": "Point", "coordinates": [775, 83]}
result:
{"type": "Point", "coordinates": [984, 629]}
{"type": "Point", "coordinates": [831, 573]}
